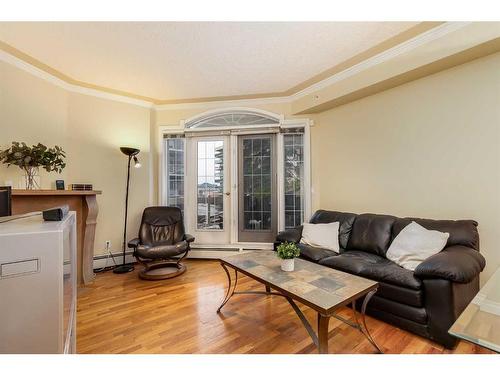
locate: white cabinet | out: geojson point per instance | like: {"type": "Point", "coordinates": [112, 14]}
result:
{"type": "Point", "coordinates": [38, 285]}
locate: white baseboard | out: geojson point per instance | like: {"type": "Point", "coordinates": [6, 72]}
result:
{"type": "Point", "coordinates": [104, 260]}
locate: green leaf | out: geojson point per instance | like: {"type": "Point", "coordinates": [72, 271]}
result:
{"type": "Point", "coordinates": [288, 250]}
{"type": "Point", "coordinates": [20, 154]}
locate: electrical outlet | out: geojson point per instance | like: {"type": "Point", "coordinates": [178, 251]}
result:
{"type": "Point", "coordinates": [108, 244]}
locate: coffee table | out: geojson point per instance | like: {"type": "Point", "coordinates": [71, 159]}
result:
{"type": "Point", "coordinates": [321, 288]}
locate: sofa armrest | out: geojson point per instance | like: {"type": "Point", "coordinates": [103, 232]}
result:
{"type": "Point", "coordinates": [290, 235]}
{"type": "Point", "coordinates": [134, 243]}
{"type": "Point", "coordinates": [458, 264]}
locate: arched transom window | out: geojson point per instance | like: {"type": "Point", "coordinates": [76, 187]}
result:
{"type": "Point", "coordinates": [238, 118]}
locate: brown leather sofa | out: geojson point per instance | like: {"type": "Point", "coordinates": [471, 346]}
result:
{"type": "Point", "coordinates": [426, 301]}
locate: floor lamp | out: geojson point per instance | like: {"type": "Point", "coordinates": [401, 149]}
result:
{"type": "Point", "coordinates": [131, 153]}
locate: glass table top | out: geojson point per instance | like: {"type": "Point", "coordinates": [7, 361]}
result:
{"type": "Point", "coordinates": [480, 321]}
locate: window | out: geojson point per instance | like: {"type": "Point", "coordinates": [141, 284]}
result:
{"type": "Point", "coordinates": [210, 201]}
{"type": "Point", "coordinates": [294, 179]}
{"type": "Point", "coordinates": [257, 183]}
{"type": "Point", "coordinates": [232, 119]}
{"type": "Point", "coordinates": [174, 151]}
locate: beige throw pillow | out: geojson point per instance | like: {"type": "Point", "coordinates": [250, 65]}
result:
{"type": "Point", "coordinates": [325, 236]}
{"type": "Point", "coordinates": [414, 244]}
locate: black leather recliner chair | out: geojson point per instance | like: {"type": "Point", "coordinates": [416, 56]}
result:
{"type": "Point", "coordinates": [426, 301]}
{"type": "Point", "coordinates": [162, 243]}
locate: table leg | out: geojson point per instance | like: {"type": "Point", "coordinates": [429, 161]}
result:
{"type": "Point", "coordinates": [268, 289]}
{"type": "Point", "coordinates": [363, 320]}
{"type": "Point", "coordinates": [323, 333]}
{"type": "Point", "coordinates": [230, 288]}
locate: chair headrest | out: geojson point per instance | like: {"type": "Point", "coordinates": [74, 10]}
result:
{"type": "Point", "coordinates": [161, 215]}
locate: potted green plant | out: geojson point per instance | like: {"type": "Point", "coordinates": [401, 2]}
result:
{"type": "Point", "coordinates": [30, 159]}
{"type": "Point", "coordinates": [287, 252]}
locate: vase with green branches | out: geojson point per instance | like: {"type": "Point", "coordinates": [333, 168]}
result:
{"type": "Point", "coordinates": [31, 158]}
{"type": "Point", "coordinates": [287, 252]}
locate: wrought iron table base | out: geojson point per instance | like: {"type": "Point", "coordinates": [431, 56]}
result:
{"type": "Point", "coordinates": [321, 338]}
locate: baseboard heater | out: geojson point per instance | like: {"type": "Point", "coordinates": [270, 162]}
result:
{"type": "Point", "coordinates": [211, 253]}
{"type": "Point", "coordinates": [104, 260]}
{"type": "Point", "coordinates": [215, 249]}
{"type": "Point", "coordinates": [114, 255]}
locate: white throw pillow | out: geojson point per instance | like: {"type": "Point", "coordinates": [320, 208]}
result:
{"type": "Point", "coordinates": [325, 236]}
{"type": "Point", "coordinates": [414, 244]}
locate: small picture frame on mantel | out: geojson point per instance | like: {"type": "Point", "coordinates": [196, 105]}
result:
{"type": "Point", "coordinates": [59, 184]}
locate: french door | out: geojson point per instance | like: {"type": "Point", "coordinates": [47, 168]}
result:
{"type": "Point", "coordinates": [231, 205]}
{"type": "Point", "coordinates": [257, 214]}
{"type": "Point", "coordinates": [208, 216]}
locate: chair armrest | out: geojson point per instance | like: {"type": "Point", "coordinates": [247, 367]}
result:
{"type": "Point", "coordinates": [188, 238]}
{"type": "Point", "coordinates": [134, 243]}
{"type": "Point", "coordinates": [290, 235]}
{"type": "Point", "coordinates": [458, 264]}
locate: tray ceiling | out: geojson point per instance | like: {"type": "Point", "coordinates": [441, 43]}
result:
{"type": "Point", "coordinates": [185, 60]}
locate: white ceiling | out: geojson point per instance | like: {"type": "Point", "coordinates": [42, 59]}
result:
{"type": "Point", "coordinates": [172, 60]}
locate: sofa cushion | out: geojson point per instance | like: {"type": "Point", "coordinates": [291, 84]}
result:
{"type": "Point", "coordinates": [462, 232]}
{"type": "Point", "coordinates": [371, 233]}
{"type": "Point", "coordinates": [373, 267]}
{"type": "Point", "coordinates": [314, 254]}
{"type": "Point", "coordinates": [345, 219]}
{"type": "Point", "coordinates": [401, 294]}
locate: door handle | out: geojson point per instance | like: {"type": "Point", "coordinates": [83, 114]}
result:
{"type": "Point", "coordinates": [227, 193]}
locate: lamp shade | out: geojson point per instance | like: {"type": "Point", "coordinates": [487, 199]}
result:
{"type": "Point", "coordinates": [129, 151]}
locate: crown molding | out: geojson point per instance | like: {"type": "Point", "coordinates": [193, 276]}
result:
{"type": "Point", "coordinates": [382, 57]}
{"type": "Point", "coordinates": [41, 70]}
{"type": "Point", "coordinates": [26, 63]}
{"type": "Point", "coordinates": [37, 72]}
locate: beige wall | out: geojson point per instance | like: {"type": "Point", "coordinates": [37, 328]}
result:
{"type": "Point", "coordinates": [97, 128]}
{"type": "Point", "coordinates": [91, 130]}
{"type": "Point", "coordinates": [31, 110]}
{"type": "Point", "coordinates": [429, 148]}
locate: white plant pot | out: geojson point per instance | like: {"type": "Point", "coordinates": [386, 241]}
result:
{"type": "Point", "coordinates": [287, 264]}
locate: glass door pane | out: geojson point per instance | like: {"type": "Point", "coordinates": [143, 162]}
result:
{"type": "Point", "coordinates": [210, 185]}
{"type": "Point", "coordinates": [294, 179]}
{"type": "Point", "coordinates": [257, 218]}
{"type": "Point", "coordinates": [174, 151]}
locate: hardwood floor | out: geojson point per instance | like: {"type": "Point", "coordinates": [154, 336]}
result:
{"type": "Point", "coordinates": [123, 314]}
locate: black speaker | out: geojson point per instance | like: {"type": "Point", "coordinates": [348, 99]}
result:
{"type": "Point", "coordinates": [5, 201]}
{"type": "Point", "coordinates": [56, 213]}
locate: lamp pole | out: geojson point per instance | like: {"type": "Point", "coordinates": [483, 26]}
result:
{"type": "Point", "coordinates": [124, 268]}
